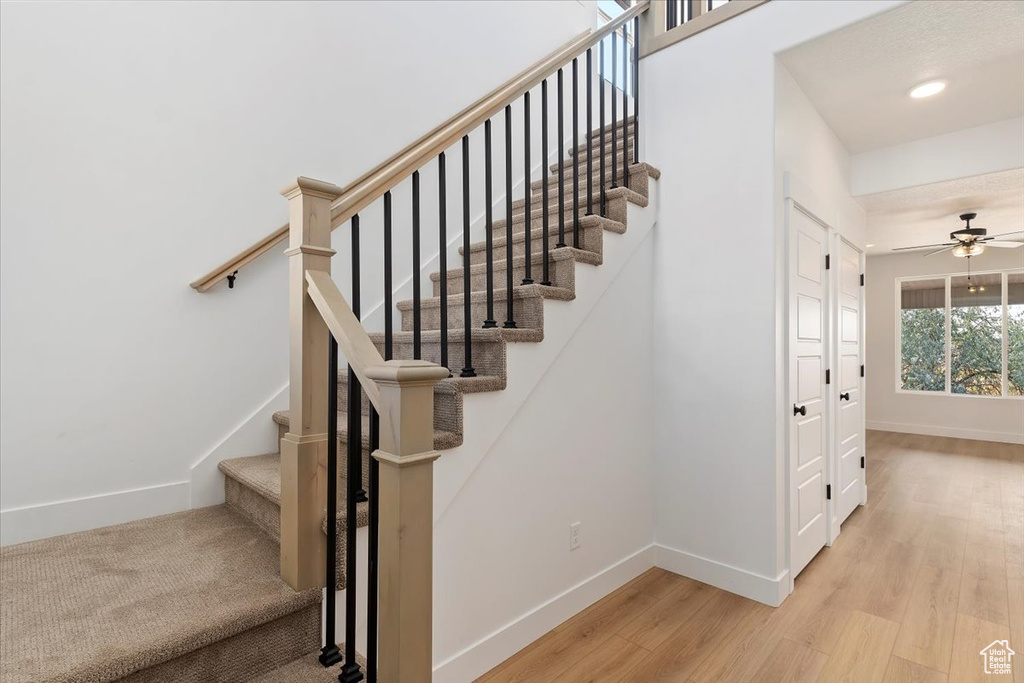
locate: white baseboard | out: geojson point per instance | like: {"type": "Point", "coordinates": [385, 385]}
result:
{"type": "Point", "coordinates": [18, 525]}
{"type": "Point", "coordinates": [770, 591]}
{"type": "Point", "coordinates": [495, 648]}
{"type": "Point", "coordinates": [255, 435]}
{"type": "Point", "coordinates": [952, 432]}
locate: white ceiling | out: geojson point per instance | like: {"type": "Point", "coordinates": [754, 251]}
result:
{"type": "Point", "coordinates": [928, 213]}
{"type": "Point", "coordinates": [858, 77]}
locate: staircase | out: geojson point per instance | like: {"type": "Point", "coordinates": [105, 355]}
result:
{"type": "Point", "coordinates": [197, 595]}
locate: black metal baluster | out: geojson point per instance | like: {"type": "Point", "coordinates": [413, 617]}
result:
{"type": "Point", "coordinates": [467, 313]}
{"type": "Point", "coordinates": [671, 20]}
{"type": "Point", "coordinates": [354, 493]}
{"type": "Point", "coordinates": [528, 192]}
{"type": "Point", "coordinates": [636, 90]}
{"type": "Point", "coordinates": [615, 128]}
{"type": "Point", "coordinates": [545, 236]}
{"type": "Point", "coordinates": [329, 653]}
{"type": "Point", "coordinates": [416, 312]}
{"type": "Point", "coordinates": [373, 568]}
{"type": "Point", "coordinates": [575, 154]}
{"type": "Point", "coordinates": [561, 167]}
{"type": "Point", "coordinates": [509, 313]}
{"type": "Point", "coordinates": [600, 107]}
{"type": "Point", "coordinates": [388, 314]}
{"type": "Point", "coordinates": [442, 253]}
{"type": "Point", "coordinates": [590, 135]}
{"type": "Point", "coordinates": [625, 107]}
{"type": "Point", "coordinates": [489, 220]}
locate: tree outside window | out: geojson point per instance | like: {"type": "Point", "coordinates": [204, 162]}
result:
{"type": "Point", "coordinates": [974, 326]}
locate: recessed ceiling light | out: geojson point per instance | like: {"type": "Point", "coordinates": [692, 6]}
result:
{"type": "Point", "coordinates": [928, 89]}
{"type": "Point", "coordinates": [870, 245]}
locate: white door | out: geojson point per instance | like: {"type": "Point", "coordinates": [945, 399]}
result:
{"type": "Point", "coordinates": [850, 418]}
{"type": "Point", "coordinates": [808, 246]}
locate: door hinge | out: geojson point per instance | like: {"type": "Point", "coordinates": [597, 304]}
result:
{"type": "Point", "coordinates": [828, 261]}
{"type": "Point", "coordinates": [828, 491]}
{"type": "Point", "coordinates": [862, 371]}
{"type": "Point", "coordinates": [862, 462]}
{"type": "Point", "coordinates": [862, 279]}
{"type": "Point", "coordinates": [828, 377]}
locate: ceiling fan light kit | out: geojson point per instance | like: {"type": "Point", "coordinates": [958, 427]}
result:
{"type": "Point", "coordinates": [967, 241]}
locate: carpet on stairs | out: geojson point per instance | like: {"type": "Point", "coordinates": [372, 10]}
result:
{"type": "Point", "coordinates": [193, 596]}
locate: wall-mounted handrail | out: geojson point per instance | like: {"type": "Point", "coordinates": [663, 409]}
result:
{"type": "Point", "coordinates": [373, 184]}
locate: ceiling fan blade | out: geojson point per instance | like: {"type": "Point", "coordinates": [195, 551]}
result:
{"type": "Point", "coordinates": [924, 246]}
{"type": "Point", "coordinates": [939, 251]}
{"type": "Point", "coordinates": [1003, 244]}
{"type": "Point", "coordinates": [1006, 234]}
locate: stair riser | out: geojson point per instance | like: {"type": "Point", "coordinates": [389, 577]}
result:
{"type": "Point", "coordinates": [595, 177]}
{"type": "Point", "coordinates": [615, 209]}
{"type": "Point", "coordinates": [638, 182]}
{"type": "Point", "coordinates": [266, 514]}
{"type": "Point", "coordinates": [241, 657]}
{"type": "Point", "coordinates": [582, 148]}
{"type": "Point", "coordinates": [595, 159]}
{"type": "Point", "coordinates": [591, 239]}
{"type": "Point", "coordinates": [561, 274]}
{"type": "Point", "coordinates": [529, 313]}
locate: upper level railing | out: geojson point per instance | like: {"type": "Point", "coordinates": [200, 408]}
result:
{"type": "Point", "coordinates": [675, 20]}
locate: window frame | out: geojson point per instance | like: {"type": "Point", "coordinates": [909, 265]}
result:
{"type": "Point", "coordinates": [1004, 274]}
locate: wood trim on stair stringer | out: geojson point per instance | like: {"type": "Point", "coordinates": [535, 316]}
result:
{"type": "Point", "coordinates": [487, 415]}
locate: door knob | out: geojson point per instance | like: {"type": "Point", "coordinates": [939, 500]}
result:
{"type": "Point", "coordinates": [802, 410]}
{"type": "Point", "coordinates": [844, 397]}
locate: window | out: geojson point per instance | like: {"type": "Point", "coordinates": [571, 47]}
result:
{"type": "Point", "coordinates": [976, 335]}
{"type": "Point", "coordinates": [1015, 334]}
{"type": "Point", "coordinates": [923, 335]}
{"type": "Point", "coordinates": [961, 335]}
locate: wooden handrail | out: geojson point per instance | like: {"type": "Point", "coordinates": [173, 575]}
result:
{"type": "Point", "coordinates": [353, 342]}
{"type": "Point", "coordinates": [373, 184]}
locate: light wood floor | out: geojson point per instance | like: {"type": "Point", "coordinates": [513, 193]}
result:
{"type": "Point", "coordinates": [923, 577]}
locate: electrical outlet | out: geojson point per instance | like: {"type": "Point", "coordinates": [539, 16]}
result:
{"type": "Point", "coordinates": [575, 531]}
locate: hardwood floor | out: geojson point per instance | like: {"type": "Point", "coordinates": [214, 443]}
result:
{"type": "Point", "coordinates": [930, 571]}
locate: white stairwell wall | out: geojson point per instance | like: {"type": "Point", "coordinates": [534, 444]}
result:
{"type": "Point", "coordinates": [152, 139]}
{"type": "Point", "coordinates": [569, 440]}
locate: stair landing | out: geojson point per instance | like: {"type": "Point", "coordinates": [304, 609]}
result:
{"type": "Point", "coordinates": [178, 597]}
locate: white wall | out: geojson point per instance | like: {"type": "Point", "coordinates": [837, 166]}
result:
{"type": "Point", "coordinates": [967, 417]}
{"type": "Point", "coordinates": [970, 152]}
{"type": "Point", "coordinates": [709, 103]}
{"type": "Point", "coordinates": [579, 449]}
{"type": "Point", "coordinates": [142, 144]}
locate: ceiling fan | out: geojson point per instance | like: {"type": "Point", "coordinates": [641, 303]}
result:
{"type": "Point", "coordinates": [967, 241]}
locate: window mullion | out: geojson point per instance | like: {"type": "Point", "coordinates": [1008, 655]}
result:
{"type": "Point", "coordinates": [1006, 330]}
{"type": "Point", "coordinates": [949, 334]}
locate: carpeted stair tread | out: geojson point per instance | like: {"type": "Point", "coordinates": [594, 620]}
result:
{"type": "Point", "coordinates": [442, 439]}
{"type": "Point", "coordinates": [518, 292]}
{"type": "Point", "coordinates": [536, 185]}
{"type": "Point", "coordinates": [307, 669]}
{"type": "Point", "coordinates": [537, 263]}
{"type": "Point", "coordinates": [491, 334]}
{"type": "Point", "coordinates": [103, 604]}
{"type": "Point", "coordinates": [537, 212]}
{"type": "Point", "coordinates": [537, 234]}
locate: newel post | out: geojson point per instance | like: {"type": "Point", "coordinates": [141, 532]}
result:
{"type": "Point", "coordinates": [304, 447]}
{"type": "Point", "coordinates": [406, 457]}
